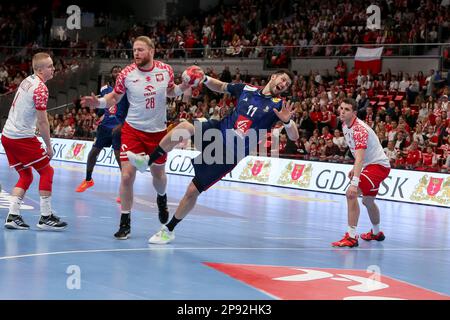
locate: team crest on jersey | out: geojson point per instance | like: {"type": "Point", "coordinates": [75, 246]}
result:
{"type": "Point", "coordinates": [159, 77]}
{"type": "Point", "coordinates": [296, 174]}
{"type": "Point", "coordinates": [256, 170]}
{"type": "Point", "coordinates": [76, 151]}
{"type": "Point", "coordinates": [113, 109]}
{"type": "Point", "coordinates": [432, 189]}
{"type": "Point", "coordinates": [242, 125]}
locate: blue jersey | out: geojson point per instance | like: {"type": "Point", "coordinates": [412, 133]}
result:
{"type": "Point", "coordinates": [254, 110]}
{"type": "Point", "coordinates": [116, 114]}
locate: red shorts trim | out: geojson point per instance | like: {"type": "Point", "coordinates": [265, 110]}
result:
{"type": "Point", "coordinates": [26, 152]}
{"type": "Point", "coordinates": [371, 178]}
{"type": "Point", "coordinates": [140, 142]}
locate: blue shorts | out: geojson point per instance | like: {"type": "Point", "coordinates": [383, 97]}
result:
{"type": "Point", "coordinates": [207, 175]}
{"type": "Point", "coordinates": [105, 138]}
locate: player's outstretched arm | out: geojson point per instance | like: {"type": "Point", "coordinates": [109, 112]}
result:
{"type": "Point", "coordinates": [177, 90]}
{"type": "Point", "coordinates": [215, 85]}
{"type": "Point", "coordinates": [107, 101]}
{"type": "Point", "coordinates": [191, 77]}
{"type": "Point", "coordinates": [284, 115]}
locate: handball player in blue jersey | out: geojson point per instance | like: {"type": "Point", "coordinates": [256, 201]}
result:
{"type": "Point", "coordinates": [256, 112]}
{"type": "Point", "coordinates": [106, 135]}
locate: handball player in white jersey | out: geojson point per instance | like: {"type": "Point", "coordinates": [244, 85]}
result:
{"type": "Point", "coordinates": [371, 167]}
{"type": "Point", "coordinates": [24, 151]}
{"type": "Point", "coordinates": [147, 83]}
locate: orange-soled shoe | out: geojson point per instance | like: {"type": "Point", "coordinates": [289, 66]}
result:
{"type": "Point", "coordinates": [85, 185]}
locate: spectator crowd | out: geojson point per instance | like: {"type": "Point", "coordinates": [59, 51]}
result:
{"type": "Point", "coordinates": [409, 112]}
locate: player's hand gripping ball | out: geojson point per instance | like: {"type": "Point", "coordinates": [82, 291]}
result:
{"type": "Point", "coordinates": [193, 76]}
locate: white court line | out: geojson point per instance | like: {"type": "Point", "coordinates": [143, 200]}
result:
{"type": "Point", "coordinates": [169, 248]}
{"type": "Point", "coordinates": [281, 238]}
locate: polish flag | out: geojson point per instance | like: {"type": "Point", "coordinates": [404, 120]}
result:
{"type": "Point", "coordinates": [368, 59]}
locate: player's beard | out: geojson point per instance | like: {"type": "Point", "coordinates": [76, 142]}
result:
{"type": "Point", "coordinates": [144, 61]}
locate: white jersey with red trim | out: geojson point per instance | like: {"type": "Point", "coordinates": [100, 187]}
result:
{"type": "Point", "coordinates": [147, 93]}
{"type": "Point", "coordinates": [31, 95]}
{"type": "Point", "coordinates": [360, 136]}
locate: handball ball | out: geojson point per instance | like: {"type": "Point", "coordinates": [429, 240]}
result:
{"type": "Point", "coordinates": [193, 75]}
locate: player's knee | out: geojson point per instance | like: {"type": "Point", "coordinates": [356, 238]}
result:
{"type": "Point", "coordinates": [158, 173]}
{"type": "Point", "coordinates": [25, 179]}
{"type": "Point", "coordinates": [192, 192]}
{"type": "Point", "coordinates": [183, 132]}
{"type": "Point", "coordinates": [367, 201]}
{"type": "Point", "coordinates": [127, 178]}
{"type": "Point", "coordinates": [94, 152]}
{"type": "Point", "coordinates": [46, 178]}
{"type": "Point", "coordinates": [187, 126]}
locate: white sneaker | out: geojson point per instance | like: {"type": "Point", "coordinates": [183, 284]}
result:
{"type": "Point", "coordinates": [163, 236]}
{"type": "Point", "coordinates": [138, 161]}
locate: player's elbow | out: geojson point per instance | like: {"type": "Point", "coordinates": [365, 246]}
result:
{"type": "Point", "coordinates": [41, 120]}
{"type": "Point", "coordinates": [40, 124]}
{"type": "Point", "coordinates": [111, 101]}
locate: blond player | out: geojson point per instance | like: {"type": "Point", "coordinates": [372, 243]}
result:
{"type": "Point", "coordinates": [24, 151]}
{"type": "Point", "coordinates": [147, 83]}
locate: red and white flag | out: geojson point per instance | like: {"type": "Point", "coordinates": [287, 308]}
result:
{"type": "Point", "coordinates": [368, 59]}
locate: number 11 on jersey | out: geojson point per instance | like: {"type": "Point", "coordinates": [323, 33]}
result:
{"type": "Point", "coordinates": [251, 110]}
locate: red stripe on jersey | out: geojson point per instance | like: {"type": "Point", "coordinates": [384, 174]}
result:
{"type": "Point", "coordinates": [40, 97]}
{"type": "Point", "coordinates": [120, 81]}
{"type": "Point", "coordinates": [361, 136]}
